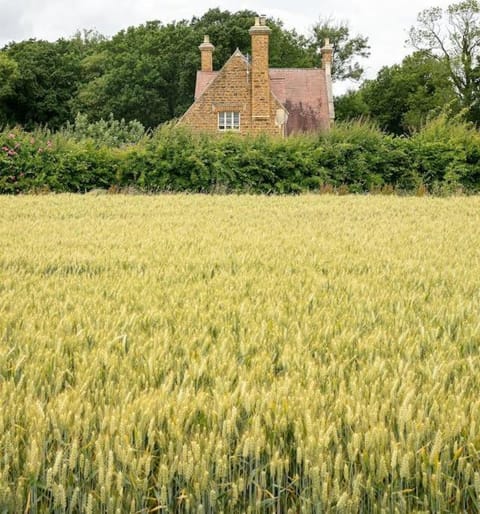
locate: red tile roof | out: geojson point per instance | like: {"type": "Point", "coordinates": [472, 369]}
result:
{"type": "Point", "coordinates": [302, 91]}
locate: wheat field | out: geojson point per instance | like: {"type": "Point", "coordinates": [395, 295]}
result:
{"type": "Point", "coordinates": [239, 354]}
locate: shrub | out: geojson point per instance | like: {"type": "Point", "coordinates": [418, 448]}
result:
{"type": "Point", "coordinates": [110, 132]}
{"type": "Point", "coordinates": [443, 157]}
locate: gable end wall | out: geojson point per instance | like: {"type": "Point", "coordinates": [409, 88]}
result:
{"type": "Point", "coordinates": [231, 90]}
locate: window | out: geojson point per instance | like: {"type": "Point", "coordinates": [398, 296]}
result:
{"type": "Point", "coordinates": [228, 120]}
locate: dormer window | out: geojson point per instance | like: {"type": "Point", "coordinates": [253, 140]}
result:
{"type": "Point", "coordinates": [228, 120]}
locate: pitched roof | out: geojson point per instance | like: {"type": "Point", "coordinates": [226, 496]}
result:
{"type": "Point", "coordinates": [302, 91]}
{"type": "Point", "coordinates": [203, 80]}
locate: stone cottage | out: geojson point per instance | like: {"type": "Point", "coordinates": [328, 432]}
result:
{"type": "Point", "coordinates": [251, 97]}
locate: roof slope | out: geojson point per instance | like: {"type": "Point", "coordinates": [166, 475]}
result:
{"type": "Point", "coordinates": [204, 78]}
{"type": "Point", "coordinates": [302, 91]}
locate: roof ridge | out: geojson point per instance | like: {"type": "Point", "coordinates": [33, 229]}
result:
{"type": "Point", "coordinates": [299, 69]}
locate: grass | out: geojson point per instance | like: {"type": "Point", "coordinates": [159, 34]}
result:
{"type": "Point", "coordinates": [239, 354]}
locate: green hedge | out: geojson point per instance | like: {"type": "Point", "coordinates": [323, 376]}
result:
{"type": "Point", "coordinates": [444, 157]}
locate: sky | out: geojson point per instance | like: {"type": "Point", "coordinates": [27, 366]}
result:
{"type": "Point", "coordinates": [384, 22]}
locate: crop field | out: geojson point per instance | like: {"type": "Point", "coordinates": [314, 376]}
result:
{"type": "Point", "coordinates": [239, 354]}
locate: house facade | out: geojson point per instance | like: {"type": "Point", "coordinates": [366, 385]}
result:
{"type": "Point", "coordinates": [252, 98]}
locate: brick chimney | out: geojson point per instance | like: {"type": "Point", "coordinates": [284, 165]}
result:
{"type": "Point", "coordinates": [327, 59]}
{"type": "Point", "coordinates": [206, 50]}
{"type": "Point", "coordinates": [260, 34]}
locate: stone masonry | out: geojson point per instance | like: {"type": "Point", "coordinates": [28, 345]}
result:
{"type": "Point", "coordinates": [260, 34]}
{"type": "Point", "coordinates": [231, 90]}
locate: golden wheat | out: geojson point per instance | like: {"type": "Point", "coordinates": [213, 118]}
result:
{"type": "Point", "coordinates": [239, 354]}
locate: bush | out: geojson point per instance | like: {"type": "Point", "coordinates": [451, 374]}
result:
{"type": "Point", "coordinates": [442, 158]}
{"type": "Point", "coordinates": [110, 132]}
{"type": "Point", "coordinates": [446, 153]}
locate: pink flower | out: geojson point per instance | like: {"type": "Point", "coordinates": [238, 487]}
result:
{"type": "Point", "coordinates": [49, 144]}
{"type": "Point", "coordinates": [40, 150]}
{"type": "Point", "coordinates": [5, 148]}
{"type": "Point", "coordinates": [11, 135]}
{"type": "Point", "coordinates": [17, 145]}
{"type": "Point", "coordinates": [12, 152]}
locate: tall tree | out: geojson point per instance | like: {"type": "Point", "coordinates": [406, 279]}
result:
{"type": "Point", "coordinates": [351, 106]}
{"type": "Point", "coordinates": [8, 76]}
{"type": "Point", "coordinates": [127, 76]}
{"type": "Point", "coordinates": [452, 36]}
{"type": "Point", "coordinates": [347, 50]}
{"type": "Point", "coordinates": [402, 96]}
{"type": "Point", "coordinates": [48, 77]}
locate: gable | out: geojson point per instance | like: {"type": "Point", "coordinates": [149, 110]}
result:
{"type": "Point", "coordinates": [229, 90]}
{"type": "Point", "coordinates": [225, 90]}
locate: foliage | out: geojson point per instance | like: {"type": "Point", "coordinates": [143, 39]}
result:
{"type": "Point", "coordinates": [452, 36]}
{"type": "Point", "coordinates": [186, 353]}
{"type": "Point", "coordinates": [109, 132]}
{"type": "Point", "coordinates": [355, 156]}
{"type": "Point", "coordinates": [351, 106]}
{"type": "Point", "coordinates": [346, 49]}
{"type": "Point", "coordinates": [403, 96]}
{"type": "Point", "coordinates": [48, 78]}
{"type": "Point", "coordinates": [446, 153]}
{"type": "Point", "coordinates": [8, 75]}
{"type": "Point", "coordinates": [229, 31]}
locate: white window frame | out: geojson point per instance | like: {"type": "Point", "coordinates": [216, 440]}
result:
{"type": "Point", "coordinates": [228, 120]}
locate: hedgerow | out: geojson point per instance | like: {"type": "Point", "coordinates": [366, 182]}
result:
{"type": "Point", "coordinates": [443, 157]}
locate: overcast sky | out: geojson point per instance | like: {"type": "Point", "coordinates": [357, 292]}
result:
{"type": "Point", "coordinates": [385, 22]}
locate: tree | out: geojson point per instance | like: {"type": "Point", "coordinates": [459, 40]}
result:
{"type": "Point", "coordinates": [452, 36]}
{"type": "Point", "coordinates": [346, 50]}
{"type": "Point", "coordinates": [8, 76]}
{"type": "Point", "coordinates": [403, 96]}
{"type": "Point", "coordinates": [48, 77]}
{"type": "Point", "coordinates": [229, 31]}
{"type": "Point", "coordinates": [147, 73]}
{"type": "Point", "coordinates": [127, 76]}
{"type": "Point", "coordinates": [351, 106]}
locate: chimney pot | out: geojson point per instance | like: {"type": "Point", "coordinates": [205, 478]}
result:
{"type": "Point", "coordinates": [263, 20]}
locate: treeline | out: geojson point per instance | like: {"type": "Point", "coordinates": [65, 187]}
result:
{"type": "Point", "coordinates": [145, 73]}
{"type": "Point", "coordinates": [443, 70]}
{"type": "Point", "coordinates": [442, 158]}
